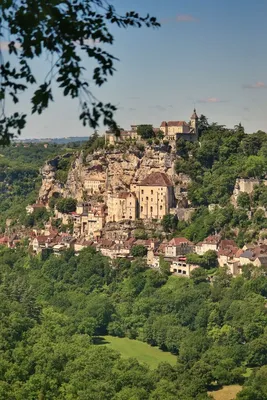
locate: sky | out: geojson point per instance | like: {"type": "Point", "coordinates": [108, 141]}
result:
{"type": "Point", "coordinates": [208, 54]}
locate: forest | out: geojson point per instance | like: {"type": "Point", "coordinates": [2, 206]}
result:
{"type": "Point", "coordinates": [54, 308]}
{"type": "Point", "coordinates": [20, 178]}
{"type": "Point", "coordinates": [221, 156]}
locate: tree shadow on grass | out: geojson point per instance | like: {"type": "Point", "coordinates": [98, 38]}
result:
{"type": "Point", "coordinates": [100, 340]}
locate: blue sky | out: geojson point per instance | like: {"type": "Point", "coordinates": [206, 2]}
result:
{"type": "Point", "coordinates": [208, 53]}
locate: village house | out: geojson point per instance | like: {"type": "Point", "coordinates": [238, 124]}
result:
{"type": "Point", "coordinates": [174, 130]}
{"type": "Point", "coordinates": [88, 220]}
{"type": "Point", "coordinates": [180, 267]}
{"type": "Point", "coordinates": [229, 256]}
{"type": "Point", "coordinates": [153, 261]}
{"type": "Point", "coordinates": [154, 254]}
{"type": "Point", "coordinates": [178, 246]}
{"type": "Point", "coordinates": [42, 242]}
{"type": "Point", "coordinates": [112, 137]}
{"type": "Point", "coordinates": [122, 206]}
{"type": "Point", "coordinates": [210, 243]}
{"type": "Point", "coordinates": [82, 244]}
{"type": "Point", "coordinates": [155, 196]}
{"type": "Point", "coordinates": [94, 184]}
{"type": "Point", "coordinates": [256, 256]}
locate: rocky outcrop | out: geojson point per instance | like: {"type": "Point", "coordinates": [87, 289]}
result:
{"type": "Point", "coordinates": [49, 183]}
{"type": "Point", "coordinates": [243, 185]}
{"type": "Point", "coordinates": [115, 170]}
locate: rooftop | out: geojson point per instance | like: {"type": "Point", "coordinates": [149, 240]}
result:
{"type": "Point", "coordinates": [174, 123]}
{"type": "Point", "coordinates": [156, 179]}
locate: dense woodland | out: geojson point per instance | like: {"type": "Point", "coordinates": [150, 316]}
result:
{"type": "Point", "coordinates": [52, 309]}
{"type": "Point", "coordinates": [20, 177]}
{"type": "Point", "coordinates": [222, 156]}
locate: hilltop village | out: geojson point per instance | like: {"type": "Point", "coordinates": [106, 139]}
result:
{"type": "Point", "coordinates": [119, 199]}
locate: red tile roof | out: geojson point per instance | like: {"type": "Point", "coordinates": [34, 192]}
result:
{"type": "Point", "coordinates": [213, 239]}
{"type": "Point", "coordinates": [156, 179]}
{"type": "Point", "coordinates": [226, 243]}
{"type": "Point", "coordinates": [174, 123]}
{"type": "Point", "coordinates": [178, 240]}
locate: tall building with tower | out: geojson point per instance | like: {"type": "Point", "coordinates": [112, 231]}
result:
{"type": "Point", "coordinates": [174, 130]}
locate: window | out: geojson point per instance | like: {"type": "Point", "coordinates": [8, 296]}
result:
{"type": "Point", "coordinates": [151, 209]}
{"type": "Point", "coordinates": [151, 200]}
{"type": "Point", "coordinates": [141, 208]}
{"type": "Point", "coordinates": [160, 208]}
{"type": "Point", "coordinates": [147, 198]}
{"type": "Point", "coordinates": [151, 191]}
{"type": "Point", "coordinates": [142, 192]}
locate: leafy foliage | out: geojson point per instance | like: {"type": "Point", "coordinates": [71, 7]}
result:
{"type": "Point", "coordinates": [20, 179]}
{"type": "Point", "coordinates": [66, 205]}
{"type": "Point", "coordinates": [52, 311]}
{"type": "Point", "coordinates": [65, 32]}
{"type": "Point", "coordinates": [139, 251]}
{"type": "Point", "coordinates": [145, 131]}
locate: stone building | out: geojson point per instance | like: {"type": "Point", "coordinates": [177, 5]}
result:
{"type": "Point", "coordinates": [94, 184]}
{"type": "Point", "coordinates": [180, 267]}
{"type": "Point", "coordinates": [122, 206]}
{"type": "Point", "coordinates": [112, 138]}
{"type": "Point", "coordinates": [174, 130]}
{"type": "Point", "coordinates": [155, 196]}
{"type": "Point", "coordinates": [178, 246]}
{"type": "Point", "coordinates": [89, 221]}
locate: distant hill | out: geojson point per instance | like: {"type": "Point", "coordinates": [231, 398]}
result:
{"type": "Point", "coordinates": [62, 140]}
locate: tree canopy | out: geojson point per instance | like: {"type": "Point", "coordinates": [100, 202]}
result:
{"type": "Point", "coordinates": [53, 312]}
{"type": "Point", "coordinates": [66, 32]}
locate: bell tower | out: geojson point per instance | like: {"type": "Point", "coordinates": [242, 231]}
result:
{"type": "Point", "coordinates": [194, 122]}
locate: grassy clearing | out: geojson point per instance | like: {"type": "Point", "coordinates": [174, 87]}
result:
{"type": "Point", "coordinates": [226, 393]}
{"type": "Point", "coordinates": [134, 348]}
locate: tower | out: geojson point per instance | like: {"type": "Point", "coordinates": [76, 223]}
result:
{"type": "Point", "coordinates": [194, 122]}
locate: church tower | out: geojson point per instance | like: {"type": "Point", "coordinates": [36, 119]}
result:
{"type": "Point", "coordinates": [194, 123]}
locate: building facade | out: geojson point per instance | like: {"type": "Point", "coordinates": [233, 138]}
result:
{"type": "Point", "coordinates": [155, 196]}
{"type": "Point", "coordinates": [174, 130]}
{"type": "Point", "coordinates": [122, 206]}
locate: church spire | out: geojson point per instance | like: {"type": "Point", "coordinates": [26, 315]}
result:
{"type": "Point", "coordinates": [194, 115]}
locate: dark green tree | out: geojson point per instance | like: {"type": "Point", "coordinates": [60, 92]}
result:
{"type": "Point", "coordinates": [145, 131]}
{"type": "Point", "coordinates": [139, 251]}
{"type": "Point", "coordinates": [66, 205]}
{"type": "Point", "coordinates": [63, 31]}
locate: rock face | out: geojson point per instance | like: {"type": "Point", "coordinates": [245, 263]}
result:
{"type": "Point", "coordinates": [114, 170]}
{"type": "Point", "coordinates": [49, 183]}
{"type": "Point", "coordinates": [245, 186]}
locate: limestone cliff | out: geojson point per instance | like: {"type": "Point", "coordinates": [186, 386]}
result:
{"type": "Point", "coordinates": [115, 170]}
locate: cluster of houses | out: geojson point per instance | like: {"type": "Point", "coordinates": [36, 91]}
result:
{"type": "Point", "coordinates": [150, 199]}
{"type": "Point", "coordinates": [171, 131]}
{"type": "Point", "coordinates": [174, 251]}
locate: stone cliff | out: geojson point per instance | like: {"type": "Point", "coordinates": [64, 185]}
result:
{"type": "Point", "coordinates": [115, 170]}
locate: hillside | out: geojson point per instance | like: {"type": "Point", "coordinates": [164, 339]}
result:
{"type": "Point", "coordinates": [20, 179]}
{"type": "Point", "coordinates": [222, 178]}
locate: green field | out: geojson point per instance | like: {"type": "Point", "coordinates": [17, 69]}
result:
{"type": "Point", "coordinates": [134, 348]}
